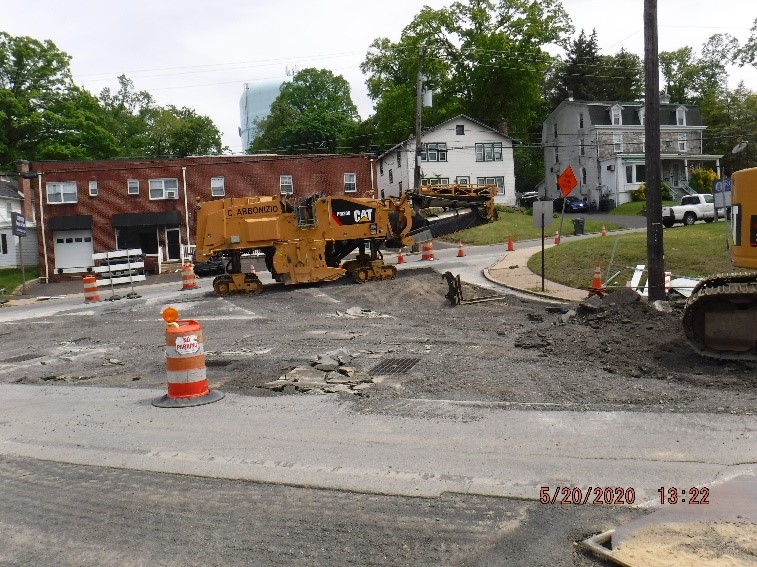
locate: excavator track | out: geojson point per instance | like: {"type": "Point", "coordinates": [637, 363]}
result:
{"type": "Point", "coordinates": [720, 317]}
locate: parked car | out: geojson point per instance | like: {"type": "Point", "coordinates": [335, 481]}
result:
{"type": "Point", "coordinates": [527, 199]}
{"type": "Point", "coordinates": [572, 205]}
{"type": "Point", "coordinates": [213, 266]}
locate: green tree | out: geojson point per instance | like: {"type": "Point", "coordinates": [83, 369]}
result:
{"type": "Point", "coordinates": [481, 58]}
{"type": "Point", "coordinates": [34, 77]}
{"type": "Point", "coordinates": [690, 78]}
{"type": "Point", "coordinates": [747, 53]}
{"type": "Point", "coordinates": [180, 132]}
{"type": "Point", "coordinates": [731, 117]}
{"type": "Point", "coordinates": [128, 112]}
{"type": "Point", "coordinates": [313, 113]}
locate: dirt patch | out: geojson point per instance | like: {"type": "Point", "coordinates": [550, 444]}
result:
{"type": "Point", "coordinates": [615, 354]}
{"type": "Point", "coordinates": [701, 544]}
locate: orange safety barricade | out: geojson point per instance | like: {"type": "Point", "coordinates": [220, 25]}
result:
{"type": "Point", "coordinates": [185, 366]}
{"type": "Point", "coordinates": [188, 276]}
{"type": "Point", "coordinates": [90, 289]}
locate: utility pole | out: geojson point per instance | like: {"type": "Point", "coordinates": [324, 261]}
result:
{"type": "Point", "coordinates": [655, 254]}
{"type": "Point", "coordinates": [418, 124]}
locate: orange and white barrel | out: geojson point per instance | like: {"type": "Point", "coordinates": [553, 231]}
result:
{"type": "Point", "coordinates": [427, 251]}
{"type": "Point", "coordinates": [185, 367]}
{"type": "Point", "coordinates": [188, 276]}
{"type": "Point", "coordinates": [90, 289]}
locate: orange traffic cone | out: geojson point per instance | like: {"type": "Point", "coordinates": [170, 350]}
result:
{"type": "Point", "coordinates": [604, 231]}
{"type": "Point", "coordinates": [596, 283]}
{"type": "Point", "coordinates": [460, 251]}
{"type": "Point", "coordinates": [510, 245]}
{"type": "Point", "coordinates": [557, 238]}
{"type": "Point", "coordinates": [400, 257]}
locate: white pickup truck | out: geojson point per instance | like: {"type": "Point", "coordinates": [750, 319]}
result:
{"type": "Point", "coordinates": [692, 208]}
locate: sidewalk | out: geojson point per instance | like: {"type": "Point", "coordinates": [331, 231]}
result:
{"type": "Point", "coordinates": [512, 272]}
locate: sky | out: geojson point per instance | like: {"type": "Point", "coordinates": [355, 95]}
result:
{"type": "Point", "coordinates": [199, 54]}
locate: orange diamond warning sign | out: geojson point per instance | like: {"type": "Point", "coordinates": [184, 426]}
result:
{"type": "Point", "coordinates": [567, 181]}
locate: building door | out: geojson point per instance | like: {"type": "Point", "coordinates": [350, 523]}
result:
{"type": "Point", "coordinates": [73, 250]}
{"type": "Point", "coordinates": [173, 244]}
{"type": "Point", "coordinates": [675, 174]}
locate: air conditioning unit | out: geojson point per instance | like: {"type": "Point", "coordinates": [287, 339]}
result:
{"type": "Point", "coordinates": [171, 194]}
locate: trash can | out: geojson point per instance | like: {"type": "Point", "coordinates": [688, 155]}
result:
{"type": "Point", "coordinates": [578, 226]}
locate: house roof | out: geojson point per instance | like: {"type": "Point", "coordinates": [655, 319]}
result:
{"type": "Point", "coordinates": [454, 119]}
{"type": "Point", "coordinates": [599, 115]}
{"type": "Point", "coordinates": [9, 188]}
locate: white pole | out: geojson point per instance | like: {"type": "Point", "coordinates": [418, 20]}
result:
{"type": "Point", "coordinates": [186, 207]}
{"type": "Point", "coordinates": [42, 224]}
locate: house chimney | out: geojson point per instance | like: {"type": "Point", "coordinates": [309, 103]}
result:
{"type": "Point", "coordinates": [27, 206]}
{"type": "Point", "coordinates": [665, 97]}
{"type": "Point", "coordinates": [570, 96]}
{"type": "Point", "coordinates": [503, 127]}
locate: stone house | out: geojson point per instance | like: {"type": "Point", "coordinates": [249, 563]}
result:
{"type": "Point", "coordinates": [603, 142]}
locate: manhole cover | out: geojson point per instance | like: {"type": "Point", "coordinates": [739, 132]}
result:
{"type": "Point", "coordinates": [394, 366]}
{"type": "Point", "coordinates": [21, 358]}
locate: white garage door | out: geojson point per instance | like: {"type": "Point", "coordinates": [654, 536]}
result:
{"type": "Point", "coordinates": [73, 250]}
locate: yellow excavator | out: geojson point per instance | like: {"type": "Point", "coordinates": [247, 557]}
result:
{"type": "Point", "coordinates": [310, 241]}
{"type": "Point", "coordinates": [720, 316]}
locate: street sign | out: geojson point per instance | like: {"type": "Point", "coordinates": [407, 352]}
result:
{"type": "Point", "coordinates": [567, 181]}
{"type": "Point", "coordinates": [18, 224]}
{"type": "Point", "coordinates": [542, 213]}
{"type": "Point", "coordinates": [721, 190]}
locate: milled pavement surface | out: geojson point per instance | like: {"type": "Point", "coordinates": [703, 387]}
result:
{"type": "Point", "coordinates": [322, 443]}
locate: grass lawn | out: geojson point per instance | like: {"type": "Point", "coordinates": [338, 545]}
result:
{"type": "Point", "coordinates": [10, 279]}
{"type": "Point", "coordinates": [695, 251]}
{"type": "Point", "coordinates": [520, 226]}
{"type": "Point", "coordinates": [630, 209]}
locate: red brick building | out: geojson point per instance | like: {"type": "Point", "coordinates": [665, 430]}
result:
{"type": "Point", "coordinates": [97, 206]}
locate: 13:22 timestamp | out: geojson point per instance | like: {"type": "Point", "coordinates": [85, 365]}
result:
{"type": "Point", "coordinates": [692, 495]}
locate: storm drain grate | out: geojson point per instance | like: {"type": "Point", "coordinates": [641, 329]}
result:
{"type": "Point", "coordinates": [21, 358]}
{"type": "Point", "coordinates": [394, 366]}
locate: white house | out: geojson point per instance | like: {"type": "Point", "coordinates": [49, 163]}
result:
{"type": "Point", "coordinates": [603, 142]}
{"type": "Point", "coordinates": [11, 201]}
{"type": "Point", "coordinates": [460, 150]}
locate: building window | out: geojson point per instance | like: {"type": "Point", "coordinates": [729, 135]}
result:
{"type": "Point", "coordinates": [582, 147]}
{"type": "Point", "coordinates": [132, 186]}
{"type": "Point", "coordinates": [681, 142]}
{"type": "Point", "coordinates": [629, 174]}
{"type": "Point", "coordinates": [617, 142]}
{"type": "Point", "coordinates": [460, 129]}
{"type": "Point", "coordinates": [498, 181]}
{"type": "Point", "coordinates": [554, 130]}
{"type": "Point", "coordinates": [434, 152]}
{"type": "Point", "coordinates": [681, 116]}
{"type": "Point", "coordinates": [399, 187]}
{"type": "Point", "coordinates": [617, 119]}
{"type": "Point", "coordinates": [61, 192]}
{"type": "Point", "coordinates": [580, 119]}
{"type": "Point", "coordinates": [4, 243]}
{"type": "Point", "coordinates": [435, 181]}
{"type": "Point", "coordinates": [391, 177]}
{"type": "Point", "coordinates": [286, 185]}
{"type": "Point", "coordinates": [381, 167]}
{"type": "Point", "coordinates": [350, 183]}
{"type": "Point", "coordinates": [557, 154]}
{"type": "Point", "coordinates": [641, 173]}
{"type": "Point", "coordinates": [462, 179]}
{"type": "Point", "coordinates": [399, 159]}
{"type": "Point", "coordinates": [641, 116]}
{"type": "Point", "coordinates": [163, 188]}
{"type": "Point", "coordinates": [489, 152]}
{"type": "Point", "coordinates": [217, 187]}
{"type": "Point", "coordinates": [583, 176]}
{"type": "Point", "coordinates": [93, 188]}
